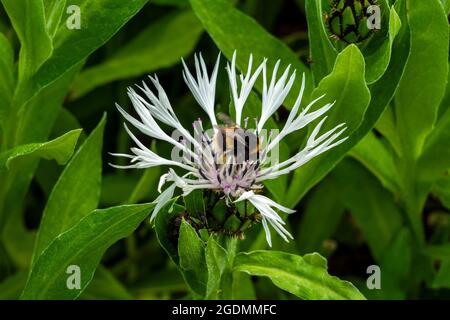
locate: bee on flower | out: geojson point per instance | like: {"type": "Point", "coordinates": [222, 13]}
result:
{"type": "Point", "coordinates": [230, 159]}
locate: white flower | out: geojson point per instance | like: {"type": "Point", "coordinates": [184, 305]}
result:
{"type": "Point", "coordinates": [213, 161]}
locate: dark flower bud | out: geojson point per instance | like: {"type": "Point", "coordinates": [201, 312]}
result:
{"type": "Point", "coordinates": [347, 20]}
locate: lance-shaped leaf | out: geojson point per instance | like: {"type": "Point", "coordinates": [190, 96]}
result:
{"type": "Point", "coordinates": [160, 45]}
{"type": "Point", "coordinates": [424, 81]}
{"type": "Point", "coordinates": [395, 267]}
{"type": "Point", "coordinates": [441, 189]}
{"type": "Point", "coordinates": [435, 159]}
{"type": "Point", "coordinates": [311, 235]}
{"type": "Point", "coordinates": [83, 245]}
{"type": "Point", "coordinates": [167, 225]}
{"type": "Point", "coordinates": [373, 153]}
{"type": "Point", "coordinates": [346, 86]}
{"type": "Point", "coordinates": [191, 250]}
{"type": "Point", "coordinates": [35, 124]}
{"type": "Point", "coordinates": [76, 193]}
{"type": "Point", "coordinates": [384, 90]}
{"type": "Point", "coordinates": [60, 149]}
{"type": "Point", "coordinates": [105, 286]}
{"type": "Point", "coordinates": [54, 10]}
{"type": "Point", "coordinates": [28, 19]}
{"type": "Point", "coordinates": [99, 21]}
{"type": "Point", "coordinates": [7, 80]}
{"type": "Point", "coordinates": [305, 277]}
{"type": "Point", "coordinates": [372, 206]}
{"type": "Point", "coordinates": [12, 286]}
{"type": "Point", "coordinates": [323, 53]}
{"type": "Point", "coordinates": [378, 53]}
{"type": "Point", "coordinates": [216, 261]}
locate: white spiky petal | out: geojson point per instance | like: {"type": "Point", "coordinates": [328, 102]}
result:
{"type": "Point", "coordinates": [237, 181]}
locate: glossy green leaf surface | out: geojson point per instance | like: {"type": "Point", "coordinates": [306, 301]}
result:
{"type": "Point", "coordinates": [306, 277]}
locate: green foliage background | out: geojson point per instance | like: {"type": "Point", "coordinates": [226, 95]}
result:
{"type": "Point", "coordinates": [381, 198]}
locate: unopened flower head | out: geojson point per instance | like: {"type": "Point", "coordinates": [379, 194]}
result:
{"type": "Point", "coordinates": [230, 159]}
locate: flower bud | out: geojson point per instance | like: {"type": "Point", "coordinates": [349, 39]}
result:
{"type": "Point", "coordinates": [347, 20]}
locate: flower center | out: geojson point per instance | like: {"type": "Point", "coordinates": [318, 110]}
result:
{"type": "Point", "coordinates": [235, 160]}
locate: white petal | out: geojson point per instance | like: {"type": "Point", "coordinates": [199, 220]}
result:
{"type": "Point", "coordinates": [203, 88]}
{"type": "Point", "coordinates": [162, 200]}
{"type": "Point", "coordinates": [264, 206]}
{"type": "Point", "coordinates": [247, 83]}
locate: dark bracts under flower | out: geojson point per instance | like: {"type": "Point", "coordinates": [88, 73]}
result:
{"type": "Point", "coordinates": [215, 217]}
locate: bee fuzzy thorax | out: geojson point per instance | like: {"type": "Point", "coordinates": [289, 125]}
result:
{"type": "Point", "coordinates": [233, 141]}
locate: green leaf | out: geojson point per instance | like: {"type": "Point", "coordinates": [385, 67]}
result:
{"type": "Point", "coordinates": [66, 121]}
{"type": "Point", "coordinates": [82, 245]}
{"type": "Point", "coordinates": [100, 20]}
{"type": "Point", "coordinates": [347, 87]}
{"type": "Point", "coordinates": [439, 252]}
{"type": "Point", "coordinates": [442, 279]}
{"type": "Point", "coordinates": [425, 76]}
{"type": "Point", "coordinates": [385, 88]}
{"type": "Point", "coordinates": [18, 241]}
{"type": "Point", "coordinates": [423, 84]}
{"type": "Point", "coordinates": [378, 54]}
{"type": "Point", "coordinates": [11, 287]}
{"type": "Point", "coordinates": [166, 280]}
{"type": "Point", "coordinates": [306, 277]}
{"type": "Point", "coordinates": [395, 267]}
{"type": "Point", "coordinates": [322, 50]}
{"type": "Point", "coordinates": [387, 127]}
{"type": "Point", "coordinates": [176, 3]}
{"type": "Point", "coordinates": [160, 45]}
{"type": "Point", "coordinates": [194, 203]}
{"type": "Point", "coordinates": [442, 190]}
{"type": "Point", "coordinates": [446, 5]}
{"type": "Point", "coordinates": [191, 250]}
{"type": "Point", "coordinates": [242, 287]}
{"type": "Point", "coordinates": [445, 103]}
{"type": "Point", "coordinates": [104, 286]}
{"type": "Point", "coordinates": [54, 10]}
{"type": "Point", "coordinates": [60, 149]}
{"type": "Point", "coordinates": [372, 206]}
{"type": "Point", "coordinates": [35, 124]}
{"type": "Point", "coordinates": [310, 235]}
{"type": "Point", "coordinates": [76, 193]}
{"type": "Point", "coordinates": [233, 30]}
{"type": "Point", "coordinates": [45, 105]}
{"type": "Point", "coordinates": [117, 187]}
{"type": "Point", "coordinates": [216, 261]}
{"type": "Point", "coordinates": [28, 19]}
{"type": "Point", "coordinates": [148, 181]}
{"type": "Point", "coordinates": [374, 155]}
{"type": "Point", "coordinates": [277, 187]}
{"type": "Point", "coordinates": [167, 225]}
{"type": "Point", "coordinates": [7, 78]}
{"type": "Point", "coordinates": [435, 159]}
